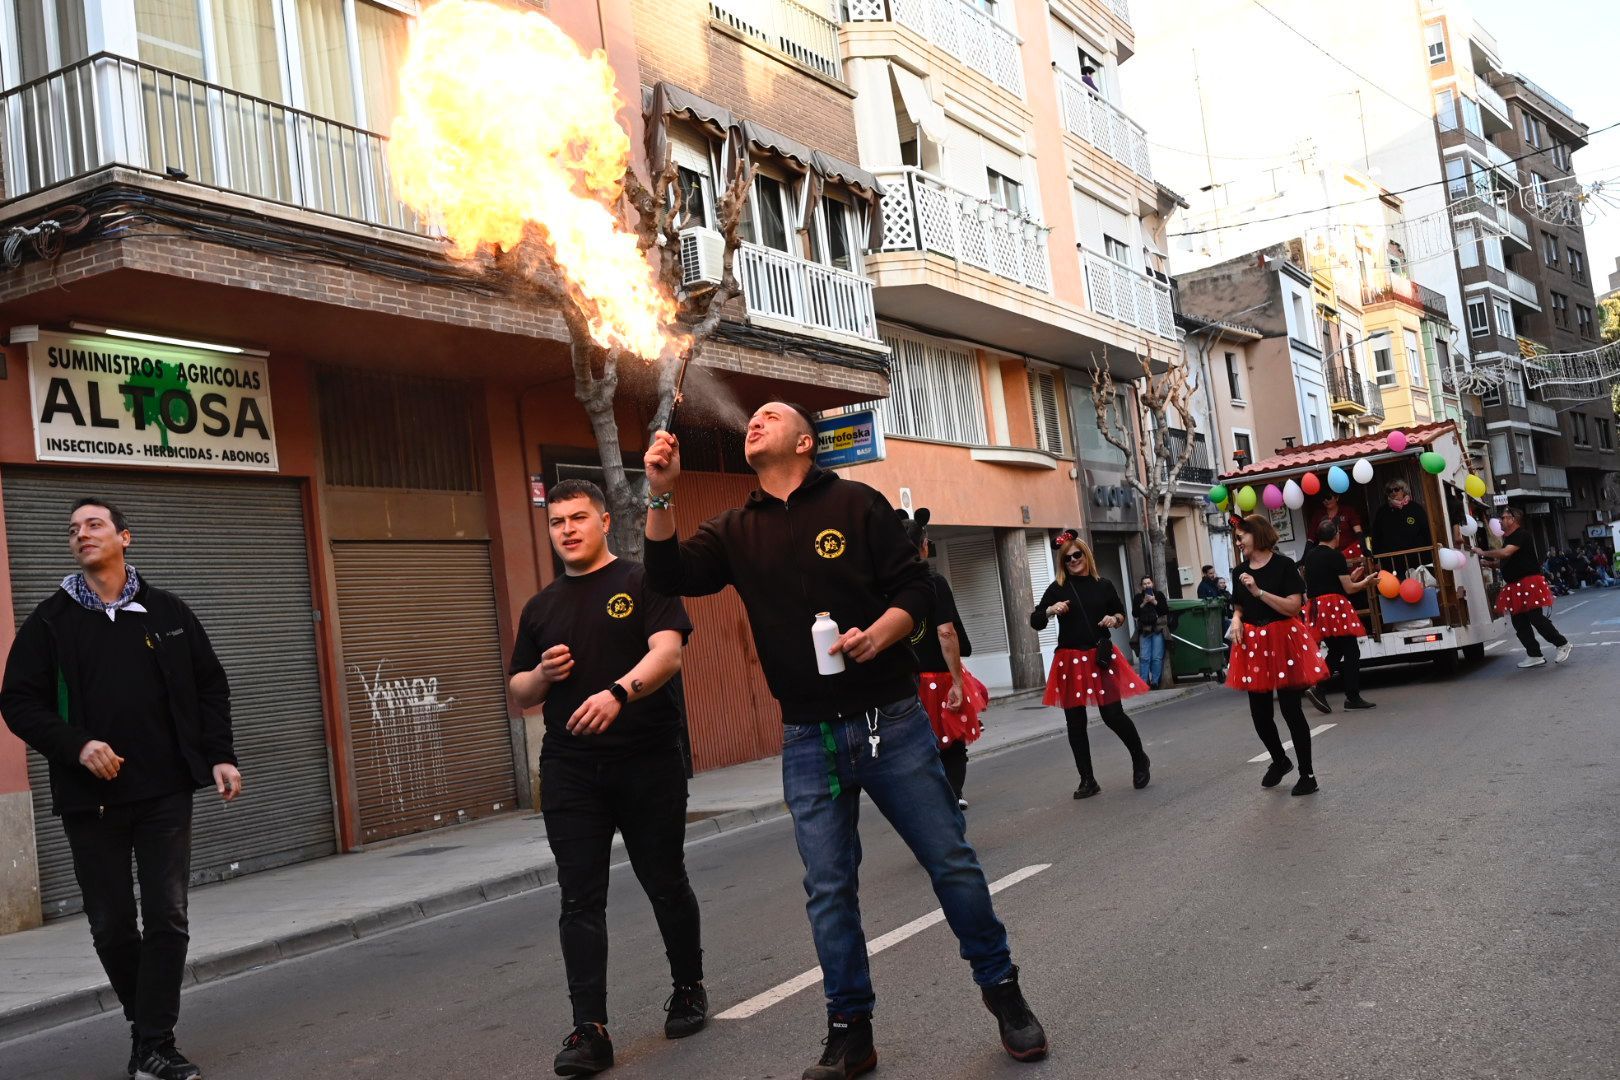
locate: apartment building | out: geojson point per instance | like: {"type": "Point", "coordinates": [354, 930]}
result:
{"type": "Point", "coordinates": [219, 315]}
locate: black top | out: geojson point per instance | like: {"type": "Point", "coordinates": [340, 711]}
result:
{"type": "Point", "coordinates": [1279, 577]}
{"type": "Point", "coordinates": [1523, 562]}
{"type": "Point", "coordinates": [1089, 600]}
{"type": "Point", "coordinates": [1152, 615]}
{"type": "Point", "coordinates": [146, 684]}
{"type": "Point", "coordinates": [1208, 590]}
{"type": "Point", "coordinates": [1322, 567]}
{"type": "Point", "coordinates": [605, 618]}
{"type": "Point", "coordinates": [836, 546]}
{"type": "Point", "coordinates": [1401, 530]}
{"type": "Point", "coordinates": [925, 638]}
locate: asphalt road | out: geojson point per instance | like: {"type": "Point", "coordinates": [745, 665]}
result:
{"type": "Point", "coordinates": [1445, 907]}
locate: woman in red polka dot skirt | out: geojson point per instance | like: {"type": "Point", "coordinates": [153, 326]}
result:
{"type": "Point", "coordinates": [1274, 650]}
{"type": "Point", "coordinates": [1089, 669]}
{"type": "Point", "coordinates": [950, 694]}
{"type": "Point", "coordinates": [1526, 597]}
{"type": "Point", "coordinates": [1329, 583]}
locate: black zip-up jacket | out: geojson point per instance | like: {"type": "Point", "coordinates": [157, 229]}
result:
{"type": "Point", "coordinates": [1089, 600]}
{"type": "Point", "coordinates": [42, 695]}
{"type": "Point", "coordinates": [836, 546]}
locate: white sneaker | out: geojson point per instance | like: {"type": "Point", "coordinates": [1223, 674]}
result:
{"type": "Point", "coordinates": [1533, 661]}
{"type": "Point", "coordinates": [1563, 653]}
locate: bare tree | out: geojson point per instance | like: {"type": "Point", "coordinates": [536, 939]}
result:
{"type": "Point", "coordinates": [1158, 395]}
{"type": "Point", "coordinates": [656, 213]}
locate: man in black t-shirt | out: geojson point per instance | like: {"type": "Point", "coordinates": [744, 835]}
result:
{"type": "Point", "coordinates": [1526, 597]}
{"type": "Point", "coordinates": [598, 648]}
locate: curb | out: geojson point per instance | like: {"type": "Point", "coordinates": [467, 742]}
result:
{"type": "Point", "coordinates": [53, 1012]}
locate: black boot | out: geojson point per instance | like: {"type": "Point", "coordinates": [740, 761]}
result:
{"type": "Point", "coordinates": [1021, 1034]}
{"type": "Point", "coordinates": [161, 1061]}
{"type": "Point", "coordinates": [134, 1051]}
{"type": "Point", "coordinates": [1088, 787]}
{"type": "Point", "coordinates": [1318, 700]}
{"type": "Point", "coordinates": [687, 1010]}
{"type": "Point", "coordinates": [849, 1050]}
{"type": "Point", "coordinates": [1358, 702]}
{"type": "Point", "coordinates": [586, 1052]}
{"type": "Point", "coordinates": [1276, 771]}
{"type": "Point", "coordinates": [1141, 773]}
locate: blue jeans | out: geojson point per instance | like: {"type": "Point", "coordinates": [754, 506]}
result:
{"type": "Point", "coordinates": [1150, 655]}
{"type": "Point", "coordinates": [825, 767]}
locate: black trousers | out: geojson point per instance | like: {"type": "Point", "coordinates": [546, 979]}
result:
{"type": "Point", "coordinates": [954, 758]}
{"type": "Point", "coordinates": [1118, 722]}
{"type": "Point", "coordinates": [145, 963]}
{"type": "Point", "coordinates": [1344, 660]}
{"type": "Point", "coordinates": [1529, 623]}
{"type": "Point", "coordinates": [1265, 725]}
{"type": "Point", "coordinates": [644, 798]}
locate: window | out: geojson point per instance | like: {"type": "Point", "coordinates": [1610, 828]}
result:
{"type": "Point", "coordinates": [1605, 433]}
{"type": "Point", "coordinates": [1560, 309]}
{"type": "Point", "coordinates": [1350, 349]}
{"type": "Point", "coordinates": [1526, 453]}
{"type": "Point", "coordinates": [1577, 264]}
{"type": "Point", "coordinates": [1549, 248]}
{"type": "Point", "coordinates": [1313, 418]}
{"type": "Point", "coordinates": [934, 391]}
{"type": "Point", "coordinates": [1515, 391]}
{"type": "Point", "coordinates": [1456, 177]}
{"type": "Point", "coordinates": [911, 153]}
{"type": "Point", "coordinates": [1472, 119]}
{"type": "Point", "coordinates": [1384, 366]}
{"type": "Point", "coordinates": [831, 240]}
{"type": "Point", "coordinates": [1504, 319]}
{"type": "Point", "coordinates": [1435, 33]}
{"type": "Point", "coordinates": [1300, 322]}
{"type": "Point", "coordinates": [769, 226]}
{"type": "Point", "coordinates": [1583, 435]}
{"type": "Point", "coordinates": [1493, 396]}
{"type": "Point", "coordinates": [1414, 360]}
{"type": "Point", "coordinates": [1538, 189]}
{"type": "Point", "coordinates": [1501, 454]}
{"type": "Point", "coordinates": [1467, 238]}
{"type": "Point", "coordinates": [1531, 128]}
{"type": "Point", "coordinates": [1493, 253]}
{"type": "Point", "coordinates": [1088, 435]}
{"type": "Point", "coordinates": [1583, 320]}
{"type": "Point", "coordinates": [1006, 192]}
{"type": "Point", "coordinates": [1043, 404]}
{"type": "Point", "coordinates": [1117, 250]}
{"type": "Point", "coordinates": [1445, 109]}
{"type": "Point", "coordinates": [1234, 380]}
{"type": "Point", "coordinates": [696, 195]}
{"type": "Point", "coordinates": [1560, 155]}
{"type": "Point", "coordinates": [1479, 318]}
{"type": "Point", "coordinates": [1242, 444]}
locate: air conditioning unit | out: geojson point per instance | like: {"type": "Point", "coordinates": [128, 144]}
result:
{"type": "Point", "coordinates": [703, 256]}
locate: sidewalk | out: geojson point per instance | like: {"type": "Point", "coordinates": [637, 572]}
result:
{"type": "Point", "coordinates": [52, 975]}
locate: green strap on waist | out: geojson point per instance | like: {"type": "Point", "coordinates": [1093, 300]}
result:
{"type": "Point", "coordinates": [830, 744]}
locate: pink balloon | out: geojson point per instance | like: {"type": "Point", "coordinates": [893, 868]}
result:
{"type": "Point", "coordinates": [1272, 497]}
{"type": "Point", "coordinates": [1397, 441]}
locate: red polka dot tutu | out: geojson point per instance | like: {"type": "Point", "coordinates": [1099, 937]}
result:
{"type": "Point", "coordinates": [1279, 655]}
{"type": "Point", "coordinates": [1076, 680]}
{"type": "Point", "coordinates": [1526, 594]}
{"type": "Point", "coordinates": [952, 725]}
{"type": "Point", "coordinates": [1333, 615]}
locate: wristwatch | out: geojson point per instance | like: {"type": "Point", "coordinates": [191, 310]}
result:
{"type": "Point", "coordinates": [620, 694]}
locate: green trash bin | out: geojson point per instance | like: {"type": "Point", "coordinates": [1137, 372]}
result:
{"type": "Point", "coordinates": [1196, 644]}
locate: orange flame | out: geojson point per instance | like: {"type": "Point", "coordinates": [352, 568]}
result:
{"type": "Point", "coordinates": [505, 122]}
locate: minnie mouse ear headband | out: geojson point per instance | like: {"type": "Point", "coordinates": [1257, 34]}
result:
{"type": "Point", "coordinates": [1064, 537]}
{"type": "Point", "coordinates": [915, 525]}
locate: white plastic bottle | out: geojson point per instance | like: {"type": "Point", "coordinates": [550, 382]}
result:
{"type": "Point", "coordinates": [824, 634]}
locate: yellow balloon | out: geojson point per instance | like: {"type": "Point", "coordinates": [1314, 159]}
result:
{"type": "Point", "coordinates": [1474, 486]}
{"type": "Point", "coordinates": [1246, 498]}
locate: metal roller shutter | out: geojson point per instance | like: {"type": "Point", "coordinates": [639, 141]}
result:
{"type": "Point", "coordinates": [235, 551]}
{"type": "Point", "coordinates": [1040, 576]}
{"type": "Point", "coordinates": [976, 581]}
{"type": "Point", "coordinates": [425, 682]}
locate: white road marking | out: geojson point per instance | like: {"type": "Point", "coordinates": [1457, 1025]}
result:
{"type": "Point", "coordinates": [1289, 745]}
{"type": "Point", "coordinates": [1497, 644]}
{"type": "Point", "coordinates": [1572, 607]}
{"type": "Point", "coordinates": [776, 994]}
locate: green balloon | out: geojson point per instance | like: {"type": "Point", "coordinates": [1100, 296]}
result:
{"type": "Point", "coordinates": [1217, 494]}
{"type": "Point", "coordinates": [1432, 462]}
{"type": "Point", "coordinates": [1246, 498]}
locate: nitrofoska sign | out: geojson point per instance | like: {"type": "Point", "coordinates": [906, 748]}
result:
{"type": "Point", "coordinates": [106, 400]}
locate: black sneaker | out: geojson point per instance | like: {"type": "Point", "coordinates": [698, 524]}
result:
{"type": "Point", "coordinates": [1305, 786]}
{"type": "Point", "coordinates": [134, 1051]}
{"type": "Point", "coordinates": [161, 1061]}
{"type": "Point", "coordinates": [687, 1010]}
{"type": "Point", "coordinates": [1276, 772]}
{"type": "Point", "coordinates": [1314, 695]}
{"type": "Point", "coordinates": [1088, 787]}
{"type": "Point", "coordinates": [586, 1052]}
{"type": "Point", "coordinates": [1358, 703]}
{"type": "Point", "coordinates": [1141, 774]}
{"type": "Point", "coordinates": [1021, 1034]}
{"type": "Point", "coordinates": [849, 1050]}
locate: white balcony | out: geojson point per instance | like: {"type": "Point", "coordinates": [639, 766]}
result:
{"type": "Point", "coordinates": [1087, 115]}
{"type": "Point", "coordinates": [1552, 478]}
{"type": "Point", "coordinates": [923, 213]}
{"type": "Point", "coordinates": [1489, 208]}
{"type": "Point", "coordinates": [797, 294]}
{"type": "Point", "coordinates": [803, 32]}
{"type": "Point", "coordinates": [1523, 290]}
{"type": "Point", "coordinates": [1492, 102]}
{"type": "Point", "coordinates": [958, 28]}
{"type": "Point", "coordinates": [1502, 160]}
{"type": "Point", "coordinates": [109, 111]}
{"type": "Point", "coordinates": [1543, 417]}
{"type": "Point", "coordinates": [1129, 296]}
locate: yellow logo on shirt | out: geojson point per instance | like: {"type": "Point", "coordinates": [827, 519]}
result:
{"type": "Point", "coordinates": [830, 543]}
{"type": "Point", "coordinates": [620, 606]}
{"type": "Point", "coordinates": [922, 632]}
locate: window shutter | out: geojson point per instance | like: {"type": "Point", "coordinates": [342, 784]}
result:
{"type": "Point", "coordinates": [1040, 576]}
{"type": "Point", "coordinates": [1043, 404]}
{"type": "Point", "coordinates": [971, 569]}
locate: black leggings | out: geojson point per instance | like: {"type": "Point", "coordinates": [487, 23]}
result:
{"type": "Point", "coordinates": [1344, 660]}
{"type": "Point", "coordinates": [954, 758]}
{"type": "Point", "coordinates": [1120, 724]}
{"type": "Point", "coordinates": [1265, 725]}
{"type": "Point", "coordinates": [1527, 623]}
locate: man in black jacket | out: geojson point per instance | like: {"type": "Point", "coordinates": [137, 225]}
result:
{"type": "Point", "coordinates": [115, 684]}
{"type": "Point", "coordinates": [807, 544]}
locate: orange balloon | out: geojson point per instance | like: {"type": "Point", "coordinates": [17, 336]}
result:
{"type": "Point", "coordinates": [1389, 586]}
{"type": "Point", "coordinates": [1310, 484]}
{"type": "Point", "coordinates": [1412, 590]}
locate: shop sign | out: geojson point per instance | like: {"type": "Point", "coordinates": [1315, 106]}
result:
{"type": "Point", "coordinates": [115, 401]}
{"type": "Point", "coordinates": [851, 439]}
{"type": "Point", "coordinates": [1597, 532]}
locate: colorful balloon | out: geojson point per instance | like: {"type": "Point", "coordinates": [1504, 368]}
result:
{"type": "Point", "coordinates": [1293, 496]}
{"type": "Point", "coordinates": [1432, 462]}
{"type": "Point", "coordinates": [1310, 484]}
{"type": "Point", "coordinates": [1217, 494]}
{"type": "Point", "coordinates": [1246, 498]}
{"type": "Point", "coordinates": [1412, 590]}
{"type": "Point", "coordinates": [1223, 504]}
{"type": "Point", "coordinates": [1496, 526]}
{"type": "Point", "coordinates": [1338, 480]}
{"type": "Point", "coordinates": [1470, 523]}
{"type": "Point", "coordinates": [1362, 473]}
{"type": "Point", "coordinates": [1272, 497]}
{"type": "Point", "coordinates": [1396, 441]}
{"type": "Point", "coordinates": [1389, 586]}
{"type": "Point", "coordinates": [1474, 486]}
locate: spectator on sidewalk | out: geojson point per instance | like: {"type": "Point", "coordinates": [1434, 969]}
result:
{"type": "Point", "coordinates": [598, 648]}
{"type": "Point", "coordinates": [1209, 586]}
{"type": "Point", "coordinates": [113, 681]}
{"type": "Point", "coordinates": [1151, 611]}
{"type": "Point", "coordinates": [809, 545]}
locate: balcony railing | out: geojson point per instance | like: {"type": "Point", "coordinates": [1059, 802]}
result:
{"type": "Point", "coordinates": [923, 213]}
{"type": "Point", "coordinates": [1375, 399]}
{"type": "Point", "coordinates": [1523, 290]}
{"type": "Point", "coordinates": [1087, 115]}
{"type": "Point", "coordinates": [777, 285]}
{"type": "Point", "coordinates": [1122, 8]}
{"type": "Point", "coordinates": [1409, 292]}
{"type": "Point", "coordinates": [1502, 160]}
{"type": "Point", "coordinates": [805, 34]}
{"type": "Point", "coordinates": [1552, 478]}
{"type": "Point", "coordinates": [1119, 292]}
{"type": "Point", "coordinates": [957, 27]}
{"type": "Point", "coordinates": [1488, 207]}
{"type": "Point", "coordinates": [1491, 100]}
{"type": "Point", "coordinates": [1477, 432]}
{"type": "Point", "coordinates": [1348, 392]}
{"type": "Point", "coordinates": [1198, 472]}
{"type": "Point", "coordinates": [1542, 416]}
{"type": "Point", "coordinates": [107, 110]}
